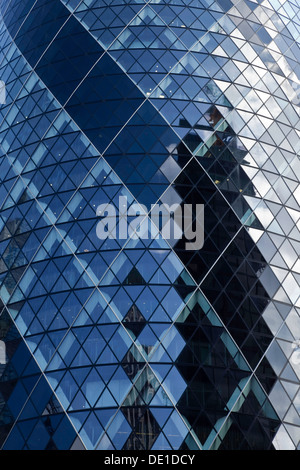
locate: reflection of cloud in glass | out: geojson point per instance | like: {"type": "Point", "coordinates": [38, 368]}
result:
{"type": "Point", "coordinates": [2, 92]}
{"type": "Point", "coordinates": [282, 440]}
{"type": "Point", "coordinates": [264, 214]}
{"type": "Point", "coordinates": [291, 287]}
{"type": "Point", "coordinates": [295, 357]}
{"type": "Point", "coordinates": [2, 353]}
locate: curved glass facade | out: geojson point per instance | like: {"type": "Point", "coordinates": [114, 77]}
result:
{"type": "Point", "coordinates": [139, 343]}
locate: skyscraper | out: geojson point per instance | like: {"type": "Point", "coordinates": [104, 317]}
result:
{"type": "Point", "coordinates": [138, 343]}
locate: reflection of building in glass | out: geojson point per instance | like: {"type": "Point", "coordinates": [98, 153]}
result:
{"type": "Point", "coordinates": [141, 344]}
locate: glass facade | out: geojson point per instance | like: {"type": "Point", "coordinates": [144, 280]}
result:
{"type": "Point", "coordinates": [139, 344]}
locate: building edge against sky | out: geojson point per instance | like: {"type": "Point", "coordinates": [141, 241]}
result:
{"type": "Point", "coordinates": [139, 343]}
